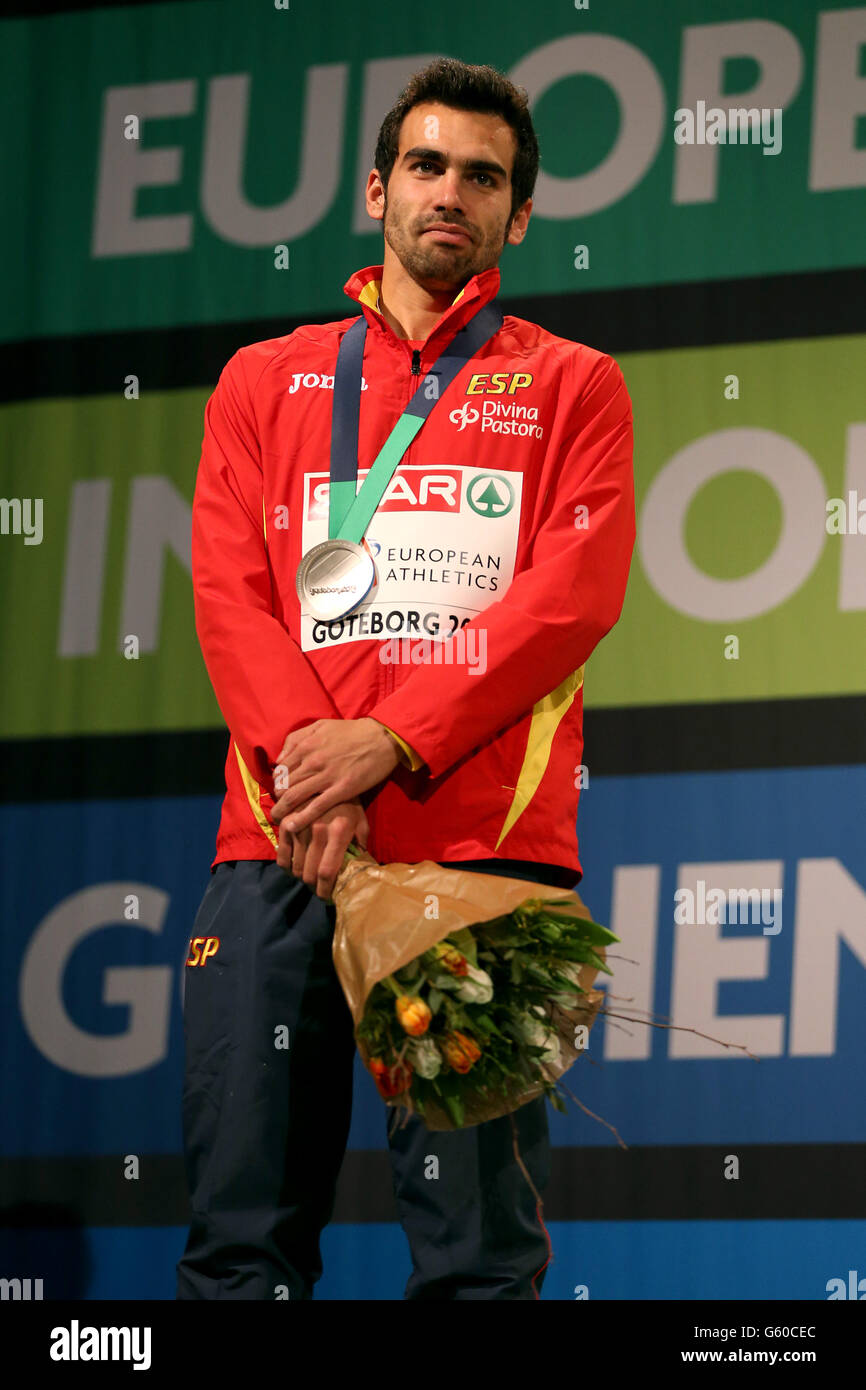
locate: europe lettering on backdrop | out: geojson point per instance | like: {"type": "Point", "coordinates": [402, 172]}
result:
{"type": "Point", "coordinates": [126, 166]}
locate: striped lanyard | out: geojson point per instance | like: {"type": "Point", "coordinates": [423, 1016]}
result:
{"type": "Point", "coordinates": [349, 511]}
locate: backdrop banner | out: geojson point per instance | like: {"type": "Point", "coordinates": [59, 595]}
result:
{"type": "Point", "coordinates": [186, 178]}
{"type": "Point", "coordinates": [211, 166]}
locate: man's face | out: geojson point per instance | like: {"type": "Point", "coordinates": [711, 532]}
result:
{"type": "Point", "coordinates": [453, 169]}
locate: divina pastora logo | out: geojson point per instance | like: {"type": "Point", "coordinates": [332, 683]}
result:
{"type": "Point", "coordinates": [489, 495]}
{"type": "Point", "coordinates": [499, 417]}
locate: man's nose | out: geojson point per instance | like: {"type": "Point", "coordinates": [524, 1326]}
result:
{"type": "Point", "coordinates": [449, 193]}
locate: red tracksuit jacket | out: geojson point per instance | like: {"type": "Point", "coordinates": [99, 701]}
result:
{"type": "Point", "coordinates": [510, 522]}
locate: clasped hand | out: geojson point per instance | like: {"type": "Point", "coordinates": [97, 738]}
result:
{"type": "Point", "coordinates": [327, 765]}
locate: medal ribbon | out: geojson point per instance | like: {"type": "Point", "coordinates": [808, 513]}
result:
{"type": "Point", "coordinates": [350, 512]}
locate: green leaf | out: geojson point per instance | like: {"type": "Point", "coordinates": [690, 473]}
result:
{"type": "Point", "coordinates": [539, 973]}
{"type": "Point", "coordinates": [550, 932]}
{"type": "Point", "coordinates": [434, 1000]}
{"type": "Point", "coordinates": [454, 1106]}
{"type": "Point", "coordinates": [461, 1019]}
{"type": "Point", "coordinates": [502, 936]}
{"type": "Point", "coordinates": [579, 951]}
{"type": "Point", "coordinates": [570, 922]}
{"type": "Point", "coordinates": [599, 963]}
{"type": "Point", "coordinates": [593, 931]}
{"type": "Point", "coordinates": [464, 941]}
{"type": "Point", "coordinates": [444, 981]}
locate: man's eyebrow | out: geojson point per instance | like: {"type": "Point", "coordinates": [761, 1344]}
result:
{"type": "Point", "coordinates": [423, 152]}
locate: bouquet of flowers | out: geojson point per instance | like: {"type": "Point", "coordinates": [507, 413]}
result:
{"type": "Point", "coordinates": [471, 994]}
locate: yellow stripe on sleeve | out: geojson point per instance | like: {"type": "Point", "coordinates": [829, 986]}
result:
{"type": "Point", "coordinates": [253, 791]}
{"type": "Point", "coordinates": [547, 715]}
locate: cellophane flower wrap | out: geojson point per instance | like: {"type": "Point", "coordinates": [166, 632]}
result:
{"type": "Point", "coordinates": [470, 993]}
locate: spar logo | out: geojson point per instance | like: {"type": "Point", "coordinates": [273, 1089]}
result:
{"type": "Point", "coordinates": [489, 494]}
{"type": "Point", "coordinates": [414, 488]}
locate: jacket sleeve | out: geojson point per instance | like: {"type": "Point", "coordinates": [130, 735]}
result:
{"type": "Point", "coordinates": [264, 684]}
{"type": "Point", "coordinates": [407, 755]}
{"type": "Point", "coordinates": [556, 610]}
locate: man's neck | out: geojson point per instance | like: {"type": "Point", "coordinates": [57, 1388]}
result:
{"type": "Point", "coordinates": [411, 309]}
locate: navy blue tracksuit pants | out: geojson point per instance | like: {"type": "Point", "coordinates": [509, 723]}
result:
{"type": "Point", "coordinates": [265, 1127]}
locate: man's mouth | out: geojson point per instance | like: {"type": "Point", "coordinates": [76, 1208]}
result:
{"type": "Point", "coordinates": [452, 235]}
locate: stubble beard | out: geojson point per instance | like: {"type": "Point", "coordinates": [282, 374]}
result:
{"type": "Point", "coordinates": [436, 266]}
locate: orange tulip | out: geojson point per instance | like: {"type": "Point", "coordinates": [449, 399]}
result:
{"type": "Point", "coordinates": [451, 959]}
{"type": "Point", "coordinates": [390, 1081]}
{"type": "Point", "coordinates": [414, 1015]}
{"type": "Point", "coordinates": [461, 1051]}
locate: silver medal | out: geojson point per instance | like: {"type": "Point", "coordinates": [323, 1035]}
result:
{"type": "Point", "coordinates": [334, 577]}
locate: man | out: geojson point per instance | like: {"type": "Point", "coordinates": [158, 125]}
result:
{"type": "Point", "coordinates": [502, 542]}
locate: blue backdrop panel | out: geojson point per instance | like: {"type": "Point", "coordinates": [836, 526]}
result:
{"type": "Point", "coordinates": [107, 1074]}
{"type": "Point", "coordinates": [809, 821]}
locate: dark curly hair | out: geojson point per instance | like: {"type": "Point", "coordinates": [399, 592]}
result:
{"type": "Point", "coordinates": [466, 87]}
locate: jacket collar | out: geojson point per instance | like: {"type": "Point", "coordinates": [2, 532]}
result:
{"type": "Point", "coordinates": [364, 286]}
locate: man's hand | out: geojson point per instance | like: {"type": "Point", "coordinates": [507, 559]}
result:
{"type": "Point", "coordinates": [316, 854]}
{"type": "Point", "coordinates": [329, 762]}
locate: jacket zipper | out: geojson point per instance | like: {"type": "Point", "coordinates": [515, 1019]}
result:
{"type": "Point", "coordinates": [387, 686]}
{"type": "Point", "coordinates": [416, 371]}
{"type": "Point", "coordinates": [388, 683]}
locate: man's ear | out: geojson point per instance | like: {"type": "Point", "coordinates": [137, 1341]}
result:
{"type": "Point", "coordinates": [519, 223]}
{"type": "Point", "coordinates": [375, 195]}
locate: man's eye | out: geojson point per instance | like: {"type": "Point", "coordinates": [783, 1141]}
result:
{"type": "Point", "coordinates": [482, 175]}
